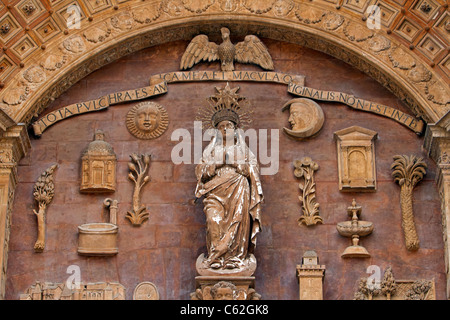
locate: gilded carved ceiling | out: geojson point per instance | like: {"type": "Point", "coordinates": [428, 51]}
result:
{"type": "Point", "coordinates": [45, 50]}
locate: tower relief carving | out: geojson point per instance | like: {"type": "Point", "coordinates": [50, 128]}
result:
{"type": "Point", "coordinates": [305, 116]}
{"type": "Point", "coordinates": [98, 166]}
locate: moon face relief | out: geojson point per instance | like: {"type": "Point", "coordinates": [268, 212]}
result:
{"type": "Point", "coordinates": [147, 120]}
{"type": "Point", "coordinates": [306, 118]}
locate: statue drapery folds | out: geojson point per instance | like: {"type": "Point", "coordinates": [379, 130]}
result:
{"type": "Point", "coordinates": [228, 179]}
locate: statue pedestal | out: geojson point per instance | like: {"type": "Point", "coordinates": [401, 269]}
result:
{"type": "Point", "coordinates": [247, 269]}
{"type": "Point", "coordinates": [225, 288]}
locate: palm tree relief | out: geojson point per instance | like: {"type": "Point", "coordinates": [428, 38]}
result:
{"type": "Point", "coordinates": [407, 172]}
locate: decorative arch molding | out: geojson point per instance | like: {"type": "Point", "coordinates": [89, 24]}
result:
{"type": "Point", "coordinates": [42, 58]}
{"type": "Point", "coordinates": [129, 26]}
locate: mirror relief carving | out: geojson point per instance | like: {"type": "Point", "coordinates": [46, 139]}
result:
{"type": "Point", "coordinates": [146, 291]}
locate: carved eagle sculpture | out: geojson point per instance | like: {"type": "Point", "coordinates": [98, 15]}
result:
{"type": "Point", "coordinates": [251, 50]}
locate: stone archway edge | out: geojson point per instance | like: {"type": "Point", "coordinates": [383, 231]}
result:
{"type": "Point", "coordinates": [158, 86]}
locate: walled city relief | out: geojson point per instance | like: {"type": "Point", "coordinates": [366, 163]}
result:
{"type": "Point", "coordinates": [84, 291]}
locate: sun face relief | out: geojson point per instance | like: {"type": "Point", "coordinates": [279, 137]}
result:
{"type": "Point", "coordinates": [147, 120]}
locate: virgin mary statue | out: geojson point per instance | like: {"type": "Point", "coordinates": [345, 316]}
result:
{"type": "Point", "coordinates": [228, 178]}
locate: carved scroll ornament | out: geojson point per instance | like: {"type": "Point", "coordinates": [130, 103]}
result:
{"type": "Point", "coordinates": [407, 172]}
{"type": "Point", "coordinates": [43, 192]}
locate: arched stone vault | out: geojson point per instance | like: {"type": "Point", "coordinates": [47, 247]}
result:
{"type": "Point", "coordinates": [42, 57]}
{"type": "Point", "coordinates": [45, 57]}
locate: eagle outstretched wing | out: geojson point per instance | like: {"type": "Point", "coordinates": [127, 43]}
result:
{"type": "Point", "coordinates": [252, 50]}
{"type": "Point", "coordinates": [200, 48]}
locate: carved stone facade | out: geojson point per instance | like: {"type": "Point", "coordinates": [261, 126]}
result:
{"type": "Point", "coordinates": [165, 247]}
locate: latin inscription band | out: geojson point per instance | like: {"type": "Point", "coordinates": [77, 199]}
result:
{"type": "Point", "coordinates": [95, 105]}
{"type": "Point", "coordinates": [158, 86]}
{"type": "Point", "coordinates": [409, 121]}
